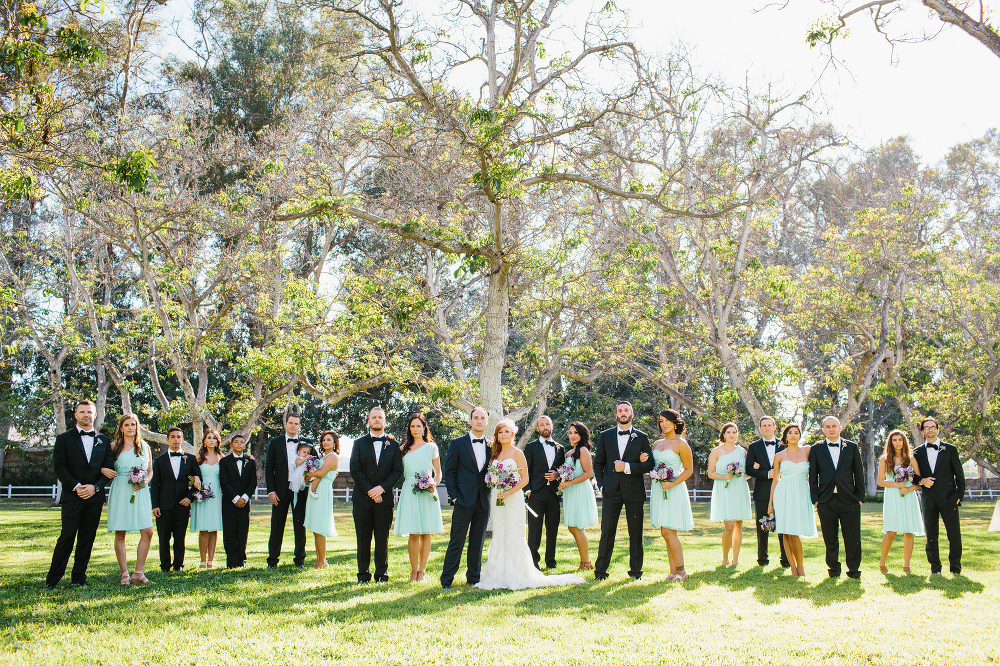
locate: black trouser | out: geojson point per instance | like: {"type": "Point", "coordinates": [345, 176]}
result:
{"type": "Point", "coordinates": [79, 524]}
{"type": "Point", "coordinates": [279, 516]}
{"type": "Point", "coordinates": [611, 510]}
{"type": "Point", "coordinates": [952, 527]}
{"type": "Point", "coordinates": [235, 531]}
{"type": "Point", "coordinates": [172, 524]}
{"type": "Point", "coordinates": [546, 504]}
{"type": "Point", "coordinates": [845, 512]}
{"type": "Point", "coordinates": [760, 507]}
{"type": "Point", "coordinates": [373, 520]}
{"type": "Point", "coordinates": [471, 521]}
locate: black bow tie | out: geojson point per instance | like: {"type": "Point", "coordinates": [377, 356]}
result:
{"type": "Point", "coordinates": [292, 441]}
{"type": "Point", "coordinates": [548, 442]}
{"type": "Point", "coordinates": [936, 447]}
{"type": "Point", "coordinates": [833, 445]}
{"type": "Point", "coordinates": [378, 439]}
{"type": "Point", "coordinates": [240, 458]}
{"type": "Point", "coordinates": [479, 441]}
{"type": "Point", "coordinates": [627, 432]}
{"type": "Point", "coordinates": [88, 433]}
{"type": "Point", "coordinates": [176, 455]}
{"type": "Point", "coordinates": [770, 443]}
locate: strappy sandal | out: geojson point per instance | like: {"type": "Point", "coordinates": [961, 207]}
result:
{"type": "Point", "coordinates": [139, 578]}
{"type": "Point", "coordinates": [585, 565]}
{"type": "Point", "coordinates": [420, 576]}
{"type": "Point", "coordinates": [126, 580]}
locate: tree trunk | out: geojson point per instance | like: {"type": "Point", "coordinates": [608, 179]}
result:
{"type": "Point", "coordinates": [495, 337]}
{"type": "Point", "coordinates": [871, 484]}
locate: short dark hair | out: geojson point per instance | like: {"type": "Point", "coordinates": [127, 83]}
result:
{"type": "Point", "coordinates": [477, 408]}
{"type": "Point", "coordinates": [85, 402]}
{"type": "Point", "coordinates": [173, 428]}
{"type": "Point", "coordinates": [289, 415]}
{"type": "Point", "coordinates": [623, 402]}
{"type": "Point", "coordinates": [237, 435]}
{"type": "Point", "coordinates": [726, 426]}
{"type": "Point", "coordinates": [766, 416]}
{"type": "Point", "coordinates": [926, 419]}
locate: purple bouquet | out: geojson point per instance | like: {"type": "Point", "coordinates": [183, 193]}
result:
{"type": "Point", "coordinates": [768, 523]}
{"type": "Point", "coordinates": [662, 472]}
{"type": "Point", "coordinates": [501, 478]}
{"type": "Point", "coordinates": [735, 469]}
{"type": "Point", "coordinates": [312, 464]}
{"type": "Point", "coordinates": [205, 493]}
{"type": "Point", "coordinates": [565, 472]}
{"type": "Point", "coordinates": [902, 474]}
{"type": "Point", "coordinates": [424, 483]}
{"type": "Point", "coordinates": [136, 475]}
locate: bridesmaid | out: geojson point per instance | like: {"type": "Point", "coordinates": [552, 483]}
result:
{"type": "Point", "coordinates": [319, 509]}
{"type": "Point", "coordinates": [579, 503]}
{"type": "Point", "coordinates": [730, 492]}
{"type": "Point", "coordinates": [672, 514]}
{"type": "Point", "coordinates": [124, 514]}
{"type": "Point", "coordinates": [419, 514]}
{"type": "Point", "coordinates": [791, 502]}
{"type": "Point", "coordinates": [206, 515]}
{"type": "Point", "coordinates": [900, 509]}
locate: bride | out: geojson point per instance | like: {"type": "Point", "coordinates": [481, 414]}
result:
{"type": "Point", "coordinates": [509, 564]}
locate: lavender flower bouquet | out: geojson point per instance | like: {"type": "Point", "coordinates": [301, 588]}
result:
{"type": "Point", "coordinates": [136, 475]}
{"type": "Point", "coordinates": [662, 472]}
{"type": "Point", "coordinates": [501, 478]}
{"type": "Point", "coordinates": [735, 469]}
{"type": "Point", "coordinates": [565, 472]}
{"type": "Point", "coordinates": [768, 523]}
{"type": "Point", "coordinates": [424, 483]}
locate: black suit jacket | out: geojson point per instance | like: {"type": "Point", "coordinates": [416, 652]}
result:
{"type": "Point", "coordinates": [235, 484]}
{"type": "Point", "coordinates": [69, 461]}
{"type": "Point", "coordinates": [166, 491]}
{"type": "Point", "coordinates": [466, 483]}
{"type": "Point", "coordinates": [757, 453]}
{"type": "Point", "coordinates": [276, 466]}
{"type": "Point", "coordinates": [848, 477]}
{"type": "Point", "coordinates": [949, 477]}
{"type": "Point", "coordinates": [367, 474]}
{"type": "Point", "coordinates": [538, 465]}
{"type": "Point", "coordinates": [632, 486]}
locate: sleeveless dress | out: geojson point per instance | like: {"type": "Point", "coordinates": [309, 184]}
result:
{"type": "Point", "coordinates": [206, 515]}
{"type": "Point", "coordinates": [418, 513]}
{"type": "Point", "coordinates": [995, 522]}
{"type": "Point", "coordinates": [579, 503]}
{"type": "Point", "coordinates": [674, 513]}
{"type": "Point", "coordinates": [123, 514]}
{"type": "Point", "coordinates": [319, 510]}
{"type": "Point", "coordinates": [732, 503]}
{"type": "Point", "coordinates": [793, 508]}
{"type": "Point", "coordinates": [508, 563]}
{"type": "Point", "coordinates": [901, 513]}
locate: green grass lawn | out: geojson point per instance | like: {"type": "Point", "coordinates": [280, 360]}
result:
{"type": "Point", "coordinates": [292, 616]}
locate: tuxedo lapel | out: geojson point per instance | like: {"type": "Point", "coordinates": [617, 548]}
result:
{"type": "Point", "coordinates": [79, 445]}
{"type": "Point", "coordinates": [472, 452]}
{"type": "Point", "coordinates": [633, 441]}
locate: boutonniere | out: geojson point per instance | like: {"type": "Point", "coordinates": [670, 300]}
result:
{"type": "Point", "coordinates": [632, 437]}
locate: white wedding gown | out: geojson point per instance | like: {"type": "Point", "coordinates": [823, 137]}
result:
{"type": "Point", "coordinates": [508, 563]}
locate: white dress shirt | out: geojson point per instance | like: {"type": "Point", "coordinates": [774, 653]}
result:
{"type": "Point", "coordinates": [377, 446]}
{"type": "Point", "coordinates": [835, 454]}
{"type": "Point", "coordinates": [175, 464]}
{"type": "Point", "coordinates": [479, 448]}
{"type": "Point", "coordinates": [239, 472]}
{"type": "Point", "coordinates": [550, 451]}
{"type": "Point", "coordinates": [932, 454]}
{"type": "Point", "coordinates": [87, 441]}
{"type": "Point", "coordinates": [623, 441]}
{"type": "Point", "coordinates": [771, 447]}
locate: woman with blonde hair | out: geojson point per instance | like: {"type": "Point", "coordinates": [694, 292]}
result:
{"type": "Point", "coordinates": [900, 509]}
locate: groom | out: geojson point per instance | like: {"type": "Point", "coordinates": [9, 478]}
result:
{"type": "Point", "coordinates": [837, 485]}
{"type": "Point", "coordinates": [465, 479]}
{"type": "Point", "coordinates": [620, 476]}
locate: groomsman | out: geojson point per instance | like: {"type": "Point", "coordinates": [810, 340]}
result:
{"type": "Point", "coordinates": [760, 467]}
{"type": "Point", "coordinates": [465, 479]}
{"type": "Point", "coordinates": [942, 482]}
{"type": "Point", "coordinates": [277, 468]}
{"type": "Point", "coordinates": [543, 456]}
{"type": "Point", "coordinates": [171, 495]}
{"type": "Point", "coordinates": [238, 478]}
{"type": "Point", "coordinates": [78, 456]}
{"type": "Point", "coordinates": [620, 475]}
{"type": "Point", "coordinates": [837, 486]}
{"type": "Point", "coordinates": [376, 467]}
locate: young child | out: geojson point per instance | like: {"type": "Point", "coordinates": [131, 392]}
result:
{"type": "Point", "coordinates": [296, 477]}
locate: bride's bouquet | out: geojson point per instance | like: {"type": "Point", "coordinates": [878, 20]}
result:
{"type": "Point", "coordinates": [735, 469]}
{"type": "Point", "coordinates": [501, 478]}
{"type": "Point", "coordinates": [565, 472]}
{"type": "Point", "coordinates": [662, 472]}
{"type": "Point", "coordinates": [136, 475]}
{"type": "Point", "coordinates": [424, 483]}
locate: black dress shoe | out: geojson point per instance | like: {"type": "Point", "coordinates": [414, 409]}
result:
{"type": "Point", "coordinates": [551, 566]}
{"type": "Point", "coordinates": [272, 566]}
{"type": "Point", "coordinates": [600, 576]}
{"type": "Point", "coordinates": [300, 566]}
{"type": "Point", "coordinates": [382, 579]}
{"type": "Point", "coordinates": [79, 585]}
{"type": "Point", "coordinates": [446, 586]}
{"type": "Point", "coordinates": [49, 587]}
{"type": "Point", "coordinates": [956, 571]}
{"type": "Point", "coordinates": [855, 575]}
{"type": "Point", "coordinates": [178, 569]}
{"type": "Point", "coordinates": [639, 577]}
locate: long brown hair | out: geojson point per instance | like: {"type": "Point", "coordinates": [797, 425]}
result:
{"type": "Point", "coordinates": [203, 450]}
{"type": "Point", "coordinates": [119, 441]}
{"type": "Point", "coordinates": [890, 450]}
{"type": "Point", "coordinates": [584, 442]}
{"type": "Point", "coordinates": [408, 440]}
{"type": "Point", "coordinates": [336, 442]}
{"type": "Point", "coordinates": [496, 446]}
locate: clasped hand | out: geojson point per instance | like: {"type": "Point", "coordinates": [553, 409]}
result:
{"type": "Point", "coordinates": [86, 492]}
{"type": "Point", "coordinates": [927, 481]}
{"type": "Point", "coordinates": [376, 494]}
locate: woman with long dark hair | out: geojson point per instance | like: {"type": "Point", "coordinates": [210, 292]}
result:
{"type": "Point", "coordinates": [730, 492]}
{"type": "Point", "coordinates": [319, 508]}
{"type": "Point", "coordinates": [900, 509]}
{"type": "Point", "coordinates": [206, 514]}
{"type": "Point", "coordinates": [129, 503]}
{"type": "Point", "coordinates": [579, 503]}
{"type": "Point", "coordinates": [790, 501]}
{"type": "Point", "coordinates": [419, 512]}
{"type": "Point", "coordinates": [669, 504]}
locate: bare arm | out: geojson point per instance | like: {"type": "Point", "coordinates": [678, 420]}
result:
{"type": "Point", "coordinates": [522, 474]}
{"type": "Point", "coordinates": [713, 458]}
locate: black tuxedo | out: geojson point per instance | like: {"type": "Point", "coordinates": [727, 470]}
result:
{"type": "Point", "coordinates": [757, 453]}
{"type": "Point", "coordinates": [166, 492]}
{"type": "Point", "coordinates": [544, 500]}
{"type": "Point", "coordinates": [372, 519]}
{"type": "Point", "coordinates": [276, 470]}
{"type": "Point", "coordinates": [470, 497]}
{"type": "Point", "coordinates": [942, 499]}
{"type": "Point", "coordinates": [838, 493]}
{"type": "Point", "coordinates": [80, 518]}
{"type": "Point", "coordinates": [236, 520]}
{"type": "Point", "coordinates": [621, 490]}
